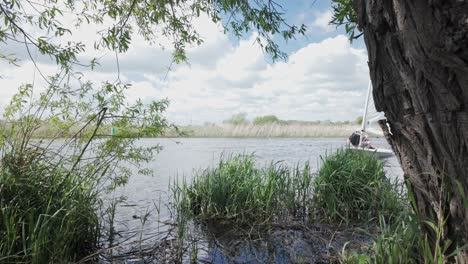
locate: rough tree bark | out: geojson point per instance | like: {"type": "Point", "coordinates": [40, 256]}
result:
{"type": "Point", "coordinates": [418, 60]}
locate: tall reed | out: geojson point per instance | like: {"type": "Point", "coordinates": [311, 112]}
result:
{"type": "Point", "coordinates": [51, 189]}
{"type": "Point", "coordinates": [352, 186]}
{"type": "Point", "coordinates": [238, 191]}
{"type": "Point", "coordinates": [47, 214]}
{"type": "Point", "coordinates": [267, 130]}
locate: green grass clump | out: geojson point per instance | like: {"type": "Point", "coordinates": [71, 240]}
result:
{"type": "Point", "coordinates": [237, 191]}
{"type": "Point", "coordinates": [264, 120]}
{"type": "Point", "coordinates": [402, 240]}
{"type": "Point", "coordinates": [48, 215]}
{"type": "Point", "coordinates": [352, 186]}
{"type": "Point", "coordinates": [398, 241]}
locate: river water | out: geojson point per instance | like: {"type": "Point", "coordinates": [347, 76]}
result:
{"type": "Point", "coordinates": [182, 158]}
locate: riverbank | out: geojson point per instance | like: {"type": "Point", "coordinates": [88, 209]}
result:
{"type": "Point", "coordinates": [262, 214]}
{"type": "Point", "coordinates": [224, 130]}
{"type": "Point", "coordinates": [272, 130]}
{"type": "Point", "coordinates": [287, 216]}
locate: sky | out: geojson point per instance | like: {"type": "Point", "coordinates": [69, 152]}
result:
{"type": "Point", "coordinates": [324, 78]}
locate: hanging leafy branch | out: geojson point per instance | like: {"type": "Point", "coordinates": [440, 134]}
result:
{"type": "Point", "coordinates": [344, 15]}
{"type": "Point", "coordinates": [40, 24]}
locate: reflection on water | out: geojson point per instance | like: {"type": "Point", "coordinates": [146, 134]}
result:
{"type": "Point", "coordinates": [182, 158]}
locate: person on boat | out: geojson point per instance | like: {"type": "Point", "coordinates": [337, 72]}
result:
{"type": "Point", "coordinates": [365, 142]}
{"type": "Point", "coordinates": [356, 140]}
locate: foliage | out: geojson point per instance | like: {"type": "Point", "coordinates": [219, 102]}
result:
{"type": "Point", "coordinates": [352, 186]}
{"type": "Point", "coordinates": [47, 214]}
{"type": "Point", "coordinates": [344, 14]}
{"type": "Point", "coordinates": [396, 242]}
{"type": "Point", "coordinates": [51, 189]}
{"type": "Point", "coordinates": [264, 120]}
{"type": "Point", "coordinates": [75, 170]}
{"type": "Point", "coordinates": [238, 192]}
{"type": "Point", "coordinates": [41, 24]}
{"type": "Point", "coordinates": [237, 119]}
{"type": "Point", "coordinates": [359, 120]}
{"type": "Point", "coordinates": [291, 130]}
{"type": "Point", "coordinates": [71, 172]}
{"type": "Point", "coordinates": [402, 240]}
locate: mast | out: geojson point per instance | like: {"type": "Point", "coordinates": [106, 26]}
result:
{"type": "Point", "coordinates": [364, 116]}
{"type": "Point", "coordinates": [366, 106]}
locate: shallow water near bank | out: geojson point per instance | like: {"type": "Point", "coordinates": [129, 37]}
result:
{"type": "Point", "coordinates": [145, 215]}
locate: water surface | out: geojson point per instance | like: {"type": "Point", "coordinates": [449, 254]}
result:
{"type": "Point", "coordinates": [183, 158]}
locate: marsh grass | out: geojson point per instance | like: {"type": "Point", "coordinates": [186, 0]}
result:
{"type": "Point", "coordinates": [252, 130]}
{"type": "Point", "coordinates": [350, 190]}
{"type": "Point", "coordinates": [297, 130]}
{"type": "Point", "coordinates": [401, 239]}
{"type": "Point", "coordinates": [52, 190]}
{"type": "Point", "coordinates": [352, 187]}
{"type": "Point", "coordinates": [237, 191]}
{"type": "Point", "coordinates": [47, 214]}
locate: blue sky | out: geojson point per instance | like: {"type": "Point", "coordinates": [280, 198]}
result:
{"type": "Point", "coordinates": [305, 12]}
{"type": "Point", "coordinates": [324, 78]}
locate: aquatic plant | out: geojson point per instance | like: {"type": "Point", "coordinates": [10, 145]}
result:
{"type": "Point", "coordinates": [297, 130]}
{"type": "Point", "coordinates": [47, 214]}
{"type": "Point", "coordinates": [238, 191]}
{"type": "Point", "coordinates": [352, 186]}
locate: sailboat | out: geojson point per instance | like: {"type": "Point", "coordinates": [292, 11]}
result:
{"type": "Point", "coordinates": [370, 127]}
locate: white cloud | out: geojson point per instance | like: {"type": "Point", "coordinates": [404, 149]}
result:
{"type": "Point", "coordinates": [322, 80]}
{"type": "Point", "coordinates": [322, 21]}
{"type": "Point", "coordinates": [242, 62]}
{"type": "Point", "coordinates": [325, 80]}
{"type": "Point", "coordinates": [12, 77]}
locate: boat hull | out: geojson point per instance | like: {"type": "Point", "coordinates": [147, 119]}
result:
{"type": "Point", "coordinates": [380, 153]}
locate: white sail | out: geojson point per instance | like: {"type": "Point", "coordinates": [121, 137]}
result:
{"type": "Point", "coordinates": [371, 116]}
{"type": "Point", "coordinates": [371, 127]}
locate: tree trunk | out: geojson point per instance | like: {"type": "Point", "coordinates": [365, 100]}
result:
{"type": "Point", "coordinates": [418, 60]}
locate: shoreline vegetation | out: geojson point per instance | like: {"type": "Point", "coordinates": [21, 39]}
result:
{"type": "Point", "coordinates": [269, 126]}
{"type": "Point", "coordinates": [248, 130]}
{"type": "Point", "coordinates": [260, 127]}
{"type": "Point", "coordinates": [273, 130]}
{"type": "Point", "coordinates": [52, 192]}
{"type": "Point", "coordinates": [348, 211]}
{"type": "Point", "coordinates": [53, 206]}
{"type": "Point", "coordinates": [294, 211]}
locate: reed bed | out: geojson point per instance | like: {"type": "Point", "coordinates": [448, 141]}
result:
{"type": "Point", "coordinates": [350, 189]}
{"type": "Point", "coordinates": [239, 192]}
{"type": "Point", "coordinates": [47, 215]}
{"type": "Point", "coordinates": [51, 190]}
{"type": "Point", "coordinates": [297, 130]}
{"type": "Point", "coordinates": [352, 186]}
{"type": "Point", "coordinates": [279, 130]}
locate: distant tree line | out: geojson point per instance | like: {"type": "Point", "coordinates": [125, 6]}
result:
{"type": "Point", "coordinates": [241, 119]}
